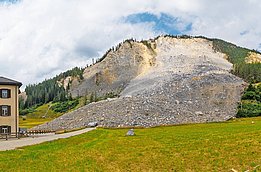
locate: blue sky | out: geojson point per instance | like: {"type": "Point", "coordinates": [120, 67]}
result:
{"type": "Point", "coordinates": [41, 38]}
{"type": "Point", "coordinates": [162, 23]}
{"type": "Point", "coordinates": [9, 1]}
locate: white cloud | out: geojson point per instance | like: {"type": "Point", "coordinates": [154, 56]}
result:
{"type": "Point", "coordinates": [41, 38]}
{"type": "Point", "coordinates": [227, 19]}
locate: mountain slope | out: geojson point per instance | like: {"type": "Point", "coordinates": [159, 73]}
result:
{"type": "Point", "coordinates": [114, 72]}
{"type": "Point", "coordinates": [162, 81]}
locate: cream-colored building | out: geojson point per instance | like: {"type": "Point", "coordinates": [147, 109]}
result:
{"type": "Point", "coordinates": [9, 107]}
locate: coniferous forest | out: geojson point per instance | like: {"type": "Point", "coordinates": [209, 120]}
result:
{"type": "Point", "coordinates": [48, 91]}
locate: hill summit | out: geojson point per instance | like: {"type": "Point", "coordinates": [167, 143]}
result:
{"type": "Point", "coordinates": [162, 81]}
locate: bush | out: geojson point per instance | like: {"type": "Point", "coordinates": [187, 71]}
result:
{"type": "Point", "coordinates": [251, 102]}
{"type": "Point", "coordinates": [249, 109]}
{"type": "Point", "coordinates": [65, 106]}
{"type": "Point", "coordinates": [249, 95]}
{"type": "Point", "coordinates": [26, 111]}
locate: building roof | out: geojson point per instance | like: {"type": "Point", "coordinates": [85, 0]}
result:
{"type": "Point", "coordinates": [6, 81]}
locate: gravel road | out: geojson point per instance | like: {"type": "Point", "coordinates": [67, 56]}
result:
{"type": "Point", "coordinates": [16, 143]}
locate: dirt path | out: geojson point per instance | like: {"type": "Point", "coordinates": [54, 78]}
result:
{"type": "Point", "coordinates": [15, 143]}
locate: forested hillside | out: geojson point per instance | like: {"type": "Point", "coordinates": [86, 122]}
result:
{"type": "Point", "coordinates": [250, 72]}
{"type": "Point", "coordinates": [48, 91]}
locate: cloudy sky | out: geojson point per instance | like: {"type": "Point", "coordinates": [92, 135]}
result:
{"type": "Point", "coordinates": [41, 38]}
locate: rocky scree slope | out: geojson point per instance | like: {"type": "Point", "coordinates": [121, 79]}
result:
{"type": "Point", "coordinates": [162, 81]}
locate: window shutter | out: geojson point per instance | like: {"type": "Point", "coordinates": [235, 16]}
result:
{"type": "Point", "coordinates": [0, 110]}
{"type": "Point", "coordinates": [1, 131]}
{"type": "Point", "coordinates": [9, 110]}
{"type": "Point", "coordinates": [8, 129]}
{"type": "Point", "coordinates": [8, 93]}
{"type": "Point", "coordinates": [0, 93]}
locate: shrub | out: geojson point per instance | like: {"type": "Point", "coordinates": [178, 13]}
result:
{"type": "Point", "coordinates": [65, 106]}
{"type": "Point", "coordinates": [251, 102]}
{"type": "Point", "coordinates": [249, 109]}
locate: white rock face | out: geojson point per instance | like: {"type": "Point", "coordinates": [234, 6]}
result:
{"type": "Point", "coordinates": [253, 58]}
{"type": "Point", "coordinates": [181, 57]}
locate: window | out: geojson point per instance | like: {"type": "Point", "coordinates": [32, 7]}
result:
{"type": "Point", "coordinates": [5, 110]}
{"type": "Point", "coordinates": [5, 129]}
{"type": "Point", "coordinates": [5, 93]}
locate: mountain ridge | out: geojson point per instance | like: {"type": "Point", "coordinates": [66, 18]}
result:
{"type": "Point", "coordinates": [191, 83]}
{"type": "Point", "coordinates": [72, 77]}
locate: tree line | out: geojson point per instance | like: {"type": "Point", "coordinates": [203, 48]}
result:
{"type": "Point", "coordinates": [49, 90]}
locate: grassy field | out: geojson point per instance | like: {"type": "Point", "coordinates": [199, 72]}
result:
{"type": "Point", "coordinates": [43, 110]}
{"type": "Point", "coordinates": [36, 118]}
{"type": "Point", "coordinates": [31, 122]}
{"type": "Point", "coordinates": [195, 147]}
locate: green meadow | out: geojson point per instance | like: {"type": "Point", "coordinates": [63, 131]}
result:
{"type": "Point", "coordinates": [193, 147]}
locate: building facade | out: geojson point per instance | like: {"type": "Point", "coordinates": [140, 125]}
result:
{"type": "Point", "coordinates": [9, 106]}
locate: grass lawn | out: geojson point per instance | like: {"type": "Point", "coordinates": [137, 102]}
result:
{"type": "Point", "coordinates": [195, 147]}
